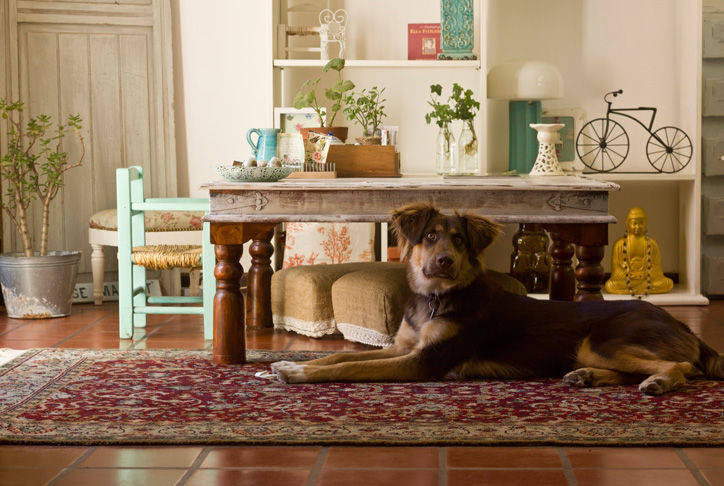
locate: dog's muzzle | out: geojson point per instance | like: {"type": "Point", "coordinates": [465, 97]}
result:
{"type": "Point", "coordinates": [441, 268]}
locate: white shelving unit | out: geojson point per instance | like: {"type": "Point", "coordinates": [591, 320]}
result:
{"type": "Point", "coordinates": [649, 48]}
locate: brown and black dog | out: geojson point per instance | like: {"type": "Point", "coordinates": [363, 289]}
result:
{"type": "Point", "coordinates": [458, 323]}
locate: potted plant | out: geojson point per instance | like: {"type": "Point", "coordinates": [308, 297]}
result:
{"type": "Point", "coordinates": [307, 97]}
{"type": "Point", "coordinates": [443, 115]}
{"type": "Point", "coordinates": [36, 283]}
{"type": "Point", "coordinates": [366, 108]}
{"type": "Point", "coordinates": [465, 109]}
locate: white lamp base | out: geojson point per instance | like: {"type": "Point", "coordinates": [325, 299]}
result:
{"type": "Point", "coordinates": [546, 164]}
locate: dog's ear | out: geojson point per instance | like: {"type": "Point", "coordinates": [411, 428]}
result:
{"type": "Point", "coordinates": [481, 232]}
{"type": "Point", "coordinates": [408, 224]}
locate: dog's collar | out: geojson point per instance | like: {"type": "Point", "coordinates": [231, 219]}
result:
{"type": "Point", "coordinates": [433, 302]}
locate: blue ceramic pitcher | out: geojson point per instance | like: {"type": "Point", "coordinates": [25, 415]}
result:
{"type": "Point", "coordinates": [266, 143]}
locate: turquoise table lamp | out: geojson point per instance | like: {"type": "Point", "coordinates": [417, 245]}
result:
{"type": "Point", "coordinates": [524, 84]}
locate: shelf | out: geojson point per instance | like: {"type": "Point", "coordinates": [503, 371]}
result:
{"type": "Point", "coordinates": [379, 63]}
{"type": "Point", "coordinates": [677, 296]}
{"type": "Point", "coordinates": [643, 177]}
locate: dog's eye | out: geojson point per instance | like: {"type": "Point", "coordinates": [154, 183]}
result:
{"type": "Point", "coordinates": [431, 236]}
{"type": "Point", "coordinates": [457, 239]}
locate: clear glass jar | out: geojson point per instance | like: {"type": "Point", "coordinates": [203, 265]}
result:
{"type": "Point", "coordinates": [445, 152]}
{"type": "Point", "coordinates": [468, 150]}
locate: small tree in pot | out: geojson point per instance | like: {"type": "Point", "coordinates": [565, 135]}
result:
{"type": "Point", "coordinates": [32, 169]}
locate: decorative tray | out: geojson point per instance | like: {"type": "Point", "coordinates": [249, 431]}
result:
{"type": "Point", "coordinates": [253, 174]}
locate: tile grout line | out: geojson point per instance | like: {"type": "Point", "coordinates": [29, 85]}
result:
{"type": "Point", "coordinates": [317, 467]}
{"type": "Point", "coordinates": [567, 467]}
{"type": "Point", "coordinates": [157, 327]}
{"type": "Point", "coordinates": [691, 467]}
{"type": "Point", "coordinates": [76, 333]}
{"type": "Point", "coordinates": [442, 466]}
{"type": "Point", "coordinates": [194, 466]}
{"type": "Point", "coordinates": [72, 466]}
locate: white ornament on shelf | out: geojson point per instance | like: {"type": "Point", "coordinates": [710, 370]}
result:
{"type": "Point", "coordinates": [333, 26]}
{"type": "Point", "coordinates": [546, 164]}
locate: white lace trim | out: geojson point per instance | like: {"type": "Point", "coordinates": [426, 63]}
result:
{"type": "Point", "coordinates": [308, 328]}
{"type": "Point", "coordinates": [359, 334]}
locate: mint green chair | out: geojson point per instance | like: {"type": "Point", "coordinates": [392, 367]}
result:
{"type": "Point", "coordinates": [134, 257]}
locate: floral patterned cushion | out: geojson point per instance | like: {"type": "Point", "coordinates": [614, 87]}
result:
{"type": "Point", "coordinates": [326, 243]}
{"type": "Point", "coordinates": [155, 220]}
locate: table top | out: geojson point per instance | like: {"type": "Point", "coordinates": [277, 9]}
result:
{"type": "Point", "coordinates": [550, 199]}
{"type": "Point", "coordinates": [450, 183]}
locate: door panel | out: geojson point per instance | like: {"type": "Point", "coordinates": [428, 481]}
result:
{"type": "Point", "coordinates": [110, 62]}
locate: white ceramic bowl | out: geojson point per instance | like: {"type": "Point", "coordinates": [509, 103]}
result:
{"type": "Point", "coordinates": [253, 174]}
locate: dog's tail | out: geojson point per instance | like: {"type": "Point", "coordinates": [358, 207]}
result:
{"type": "Point", "coordinates": [710, 362]}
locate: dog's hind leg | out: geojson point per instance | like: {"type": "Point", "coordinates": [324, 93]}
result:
{"type": "Point", "coordinates": [587, 377]}
{"type": "Point", "coordinates": [664, 375]}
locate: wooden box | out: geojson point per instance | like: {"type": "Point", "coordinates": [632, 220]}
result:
{"type": "Point", "coordinates": [365, 160]}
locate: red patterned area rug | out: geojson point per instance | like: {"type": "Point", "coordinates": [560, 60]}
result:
{"type": "Point", "coordinates": [57, 396]}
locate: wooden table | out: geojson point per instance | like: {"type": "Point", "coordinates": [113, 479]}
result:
{"type": "Point", "coordinates": [573, 209]}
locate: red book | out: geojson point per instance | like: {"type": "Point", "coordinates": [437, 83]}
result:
{"type": "Point", "coordinates": [423, 41]}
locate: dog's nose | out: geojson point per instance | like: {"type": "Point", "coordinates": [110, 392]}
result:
{"type": "Point", "coordinates": [444, 261]}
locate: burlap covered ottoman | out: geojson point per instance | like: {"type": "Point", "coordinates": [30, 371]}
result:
{"type": "Point", "coordinates": [369, 304]}
{"type": "Point", "coordinates": [302, 296]}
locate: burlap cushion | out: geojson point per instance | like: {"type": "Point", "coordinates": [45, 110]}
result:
{"type": "Point", "coordinates": [369, 304]}
{"type": "Point", "coordinates": [302, 297]}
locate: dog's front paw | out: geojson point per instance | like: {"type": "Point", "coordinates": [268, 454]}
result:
{"type": "Point", "coordinates": [655, 385]}
{"type": "Point", "coordinates": [579, 378]}
{"type": "Point", "coordinates": [289, 372]}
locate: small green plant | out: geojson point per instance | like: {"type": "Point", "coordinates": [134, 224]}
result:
{"type": "Point", "coordinates": [307, 94]}
{"type": "Point", "coordinates": [366, 108]}
{"type": "Point", "coordinates": [441, 112]}
{"type": "Point", "coordinates": [465, 109]}
{"type": "Point", "coordinates": [33, 166]}
{"type": "Point", "coordinates": [465, 104]}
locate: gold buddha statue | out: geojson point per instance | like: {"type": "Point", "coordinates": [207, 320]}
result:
{"type": "Point", "coordinates": [636, 261]}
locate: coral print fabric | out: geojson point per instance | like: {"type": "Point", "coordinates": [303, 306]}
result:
{"type": "Point", "coordinates": [325, 243]}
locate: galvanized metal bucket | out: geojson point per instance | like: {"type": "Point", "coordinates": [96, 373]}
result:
{"type": "Point", "coordinates": [38, 287]}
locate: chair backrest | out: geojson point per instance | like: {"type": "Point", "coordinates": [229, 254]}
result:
{"type": "Point", "coordinates": [131, 205]}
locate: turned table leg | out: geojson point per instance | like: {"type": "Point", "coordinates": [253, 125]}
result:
{"type": "Point", "coordinates": [590, 240]}
{"type": "Point", "coordinates": [258, 313]}
{"type": "Point", "coordinates": [229, 338]}
{"type": "Point", "coordinates": [589, 272]}
{"type": "Point", "coordinates": [562, 279]}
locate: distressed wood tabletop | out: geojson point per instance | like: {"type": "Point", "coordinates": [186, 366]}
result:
{"type": "Point", "coordinates": [561, 199]}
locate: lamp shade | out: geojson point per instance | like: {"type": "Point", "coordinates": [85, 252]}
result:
{"type": "Point", "coordinates": [525, 80]}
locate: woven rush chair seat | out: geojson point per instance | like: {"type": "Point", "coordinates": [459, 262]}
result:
{"type": "Point", "coordinates": [166, 257]}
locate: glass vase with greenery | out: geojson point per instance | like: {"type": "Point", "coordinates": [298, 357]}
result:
{"type": "Point", "coordinates": [443, 114]}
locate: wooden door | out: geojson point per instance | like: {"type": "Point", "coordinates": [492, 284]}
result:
{"type": "Point", "coordinates": [110, 61]}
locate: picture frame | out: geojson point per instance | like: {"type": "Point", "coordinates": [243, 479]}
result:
{"type": "Point", "coordinates": [290, 120]}
{"type": "Point", "coordinates": [573, 119]}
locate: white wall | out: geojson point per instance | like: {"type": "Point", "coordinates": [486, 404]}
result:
{"type": "Point", "coordinates": [223, 83]}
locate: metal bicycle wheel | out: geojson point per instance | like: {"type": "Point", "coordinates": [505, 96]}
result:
{"type": "Point", "coordinates": [673, 154]}
{"type": "Point", "coordinates": [602, 144]}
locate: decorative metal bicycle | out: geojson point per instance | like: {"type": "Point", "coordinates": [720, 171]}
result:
{"type": "Point", "coordinates": [602, 144]}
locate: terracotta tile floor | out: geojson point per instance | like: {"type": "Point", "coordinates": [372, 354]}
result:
{"type": "Point", "coordinates": [97, 327]}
